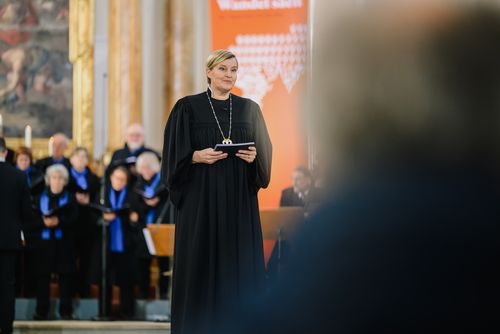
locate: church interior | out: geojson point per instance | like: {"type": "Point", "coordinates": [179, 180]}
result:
{"type": "Point", "coordinates": [374, 183]}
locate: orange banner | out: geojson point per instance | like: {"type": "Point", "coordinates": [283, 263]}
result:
{"type": "Point", "coordinates": [269, 38]}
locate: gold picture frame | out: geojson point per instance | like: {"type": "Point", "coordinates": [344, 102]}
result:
{"type": "Point", "coordinates": [81, 53]}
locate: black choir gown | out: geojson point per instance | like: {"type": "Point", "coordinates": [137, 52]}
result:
{"type": "Point", "coordinates": [218, 242]}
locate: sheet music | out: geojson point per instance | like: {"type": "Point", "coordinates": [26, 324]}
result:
{"type": "Point", "coordinates": [149, 241]}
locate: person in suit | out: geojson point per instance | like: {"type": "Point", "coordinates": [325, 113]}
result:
{"type": "Point", "coordinates": [302, 192]}
{"type": "Point", "coordinates": [84, 185]}
{"type": "Point", "coordinates": [59, 146]}
{"type": "Point", "coordinates": [154, 207]}
{"type": "Point", "coordinates": [15, 208]}
{"type": "Point", "coordinates": [55, 245]}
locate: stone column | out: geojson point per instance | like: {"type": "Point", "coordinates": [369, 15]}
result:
{"type": "Point", "coordinates": [125, 69]}
{"type": "Point", "coordinates": [153, 70]}
{"type": "Point", "coordinates": [179, 51]}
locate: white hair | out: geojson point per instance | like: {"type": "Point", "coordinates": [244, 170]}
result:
{"type": "Point", "coordinates": [62, 137]}
{"type": "Point", "coordinates": [135, 127]}
{"type": "Point", "coordinates": [57, 169]}
{"type": "Point", "coordinates": [147, 159]}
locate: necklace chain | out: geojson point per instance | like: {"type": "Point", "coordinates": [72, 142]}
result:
{"type": "Point", "coordinates": [228, 139]}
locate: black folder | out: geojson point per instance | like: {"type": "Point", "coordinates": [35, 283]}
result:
{"type": "Point", "coordinates": [232, 149]}
{"type": "Point", "coordinates": [158, 191]}
{"type": "Point", "coordinates": [105, 209]}
{"type": "Point", "coordinates": [52, 212]}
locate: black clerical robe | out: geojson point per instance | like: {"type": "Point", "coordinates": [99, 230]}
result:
{"type": "Point", "coordinates": [86, 229]}
{"type": "Point", "coordinates": [126, 152]}
{"type": "Point", "coordinates": [164, 209]}
{"type": "Point", "coordinates": [46, 162]}
{"type": "Point", "coordinates": [218, 243]}
{"type": "Point", "coordinates": [121, 157]}
{"type": "Point", "coordinates": [86, 223]}
{"type": "Point", "coordinates": [56, 254]}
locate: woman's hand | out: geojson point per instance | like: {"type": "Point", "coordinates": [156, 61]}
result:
{"type": "Point", "coordinates": [152, 201]}
{"type": "Point", "coordinates": [134, 217]}
{"type": "Point", "coordinates": [248, 155]}
{"type": "Point", "coordinates": [82, 198]}
{"type": "Point", "coordinates": [51, 221]}
{"type": "Point", "coordinates": [208, 156]}
{"type": "Point", "coordinates": [108, 216]}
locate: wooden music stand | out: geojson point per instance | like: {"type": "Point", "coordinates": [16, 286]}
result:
{"type": "Point", "coordinates": [280, 223]}
{"type": "Point", "coordinates": [163, 236]}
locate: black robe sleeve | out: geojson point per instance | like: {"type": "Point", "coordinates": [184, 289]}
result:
{"type": "Point", "coordinates": [177, 151]}
{"type": "Point", "coordinates": [69, 216]}
{"type": "Point", "coordinates": [262, 163]}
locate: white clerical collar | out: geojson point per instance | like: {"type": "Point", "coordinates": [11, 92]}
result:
{"type": "Point", "coordinates": [2, 159]}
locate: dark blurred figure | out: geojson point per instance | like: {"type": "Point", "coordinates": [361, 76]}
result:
{"type": "Point", "coordinates": [59, 146]}
{"type": "Point", "coordinates": [10, 153]}
{"type": "Point", "coordinates": [15, 210]}
{"type": "Point", "coordinates": [409, 111]}
{"type": "Point", "coordinates": [84, 185]}
{"type": "Point", "coordinates": [36, 182]}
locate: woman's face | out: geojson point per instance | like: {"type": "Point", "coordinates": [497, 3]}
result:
{"type": "Point", "coordinates": [56, 183]}
{"type": "Point", "coordinates": [147, 172]}
{"type": "Point", "coordinates": [79, 160]}
{"type": "Point", "coordinates": [223, 75]}
{"type": "Point", "coordinates": [23, 162]}
{"type": "Point", "coordinates": [118, 180]}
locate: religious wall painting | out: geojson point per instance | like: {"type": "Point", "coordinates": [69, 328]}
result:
{"type": "Point", "coordinates": [35, 72]}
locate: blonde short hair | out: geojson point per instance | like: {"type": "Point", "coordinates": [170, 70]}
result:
{"type": "Point", "coordinates": [147, 159]}
{"type": "Point", "coordinates": [57, 169]}
{"type": "Point", "coordinates": [217, 57]}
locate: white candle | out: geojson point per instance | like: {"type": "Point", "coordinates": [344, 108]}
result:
{"type": "Point", "coordinates": [27, 136]}
{"type": "Point", "coordinates": [1, 125]}
{"type": "Point", "coordinates": [51, 146]}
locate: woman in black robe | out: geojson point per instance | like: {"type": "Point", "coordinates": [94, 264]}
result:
{"type": "Point", "coordinates": [154, 208]}
{"type": "Point", "coordinates": [54, 248]}
{"type": "Point", "coordinates": [84, 185]}
{"type": "Point", "coordinates": [218, 257]}
{"type": "Point", "coordinates": [123, 232]}
{"type": "Point", "coordinates": [34, 177]}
